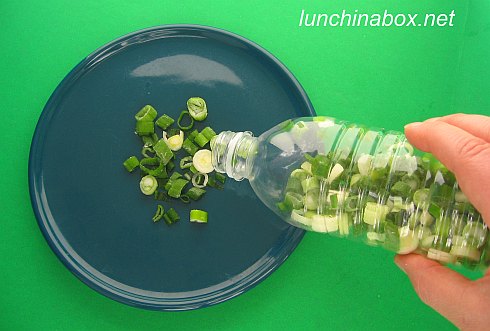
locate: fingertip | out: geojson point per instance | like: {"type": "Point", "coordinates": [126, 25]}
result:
{"type": "Point", "coordinates": [433, 119]}
{"type": "Point", "coordinates": [413, 262]}
{"type": "Point", "coordinates": [413, 125]}
{"type": "Point", "coordinates": [399, 262]}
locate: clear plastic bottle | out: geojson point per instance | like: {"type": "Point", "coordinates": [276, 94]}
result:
{"type": "Point", "coordinates": [336, 177]}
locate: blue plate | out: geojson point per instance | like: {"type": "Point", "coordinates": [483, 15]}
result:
{"type": "Point", "coordinates": [91, 210]}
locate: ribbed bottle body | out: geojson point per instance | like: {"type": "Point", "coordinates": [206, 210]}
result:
{"type": "Point", "coordinates": [368, 184]}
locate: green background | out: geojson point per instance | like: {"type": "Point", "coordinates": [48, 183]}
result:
{"type": "Point", "coordinates": [384, 77]}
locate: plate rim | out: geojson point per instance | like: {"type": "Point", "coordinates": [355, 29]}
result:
{"type": "Point", "coordinates": [99, 286]}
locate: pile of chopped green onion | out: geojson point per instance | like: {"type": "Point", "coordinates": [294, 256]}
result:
{"type": "Point", "coordinates": [180, 147]}
{"type": "Point", "coordinates": [386, 197]}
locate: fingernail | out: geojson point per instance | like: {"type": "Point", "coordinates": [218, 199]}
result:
{"type": "Point", "coordinates": [412, 125]}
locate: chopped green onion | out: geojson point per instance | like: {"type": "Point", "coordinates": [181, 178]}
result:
{"type": "Point", "coordinates": [293, 200]}
{"type": "Point", "coordinates": [159, 213]}
{"type": "Point", "coordinates": [186, 162]}
{"type": "Point", "coordinates": [220, 177]}
{"type": "Point", "coordinates": [364, 164]}
{"type": "Point", "coordinates": [310, 183]}
{"type": "Point", "coordinates": [212, 182]}
{"type": "Point", "coordinates": [144, 128]}
{"type": "Point", "coordinates": [198, 216]}
{"type": "Point", "coordinates": [193, 169]}
{"type": "Point", "coordinates": [181, 118]}
{"type": "Point", "coordinates": [189, 146]}
{"type": "Point", "coordinates": [156, 164]}
{"type": "Point", "coordinates": [435, 210]}
{"type": "Point", "coordinates": [202, 161]}
{"type": "Point", "coordinates": [149, 140]}
{"type": "Point", "coordinates": [159, 171]}
{"type": "Point", "coordinates": [460, 197]}
{"type": "Point", "coordinates": [392, 237]}
{"type": "Point", "coordinates": [147, 150]}
{"type": "Point", "coordinates": [375, 213]}
{"type": "Point", "coordinates": [131, 163]}
{"type": "Point", "coordinates": [412, 180]}
{"type": "Point", "coordinates": [320, 165]}
{"type": "Point", "coordinates": [197, 108]}
{"type": "Point", "coordinates": [164, 121]}
{"type": "Point", "coordinates": [174, 142]}
{"type": "Point", "coordinates": [334, 200]}
{"type": "Point", "coordinates": [172, 132]}
{"type": "Point", "coordinates": [161, 195]}
{"type": "Point", "coordinates": [170, 166]}
{"type": "Point", "coordinates": [335, 173]}
{"type": "Point", "coordinates": [421, 196]}
{"type": "Point", "coordinates": [171, 216]}
{"type": "Point", "coordinates": [163, 151]}
{"type": "Point", "coordinates": [185, 199]}
{"type": "Point", "coordinates": [175, 175]}
{"type": "Point", "coordinates": [201, 140]}
{"type": "Point", "coordinates": [176, 187]}
{"type": "Point", "coordinates": [208, 133]}
{"type": "Point", "coordinates": [146, 114]}
{"type": "Point", "coordinates": [408, 241]}
{"type": "Point", "coordinates": [192, 135]}
{"type": "Point", "coordinates": [200, 180]}
{"type": "Point", "coordinates": [148, 184]}
{"type": "Point", "coordinates": [401, 189]}
{"type": "Point", "coordinates": [195, 193]}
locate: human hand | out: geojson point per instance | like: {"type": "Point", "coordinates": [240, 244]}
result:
{"type": "Point", "coordinates": [462, 143]}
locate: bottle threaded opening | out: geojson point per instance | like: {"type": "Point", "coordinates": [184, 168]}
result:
{"type": "Point", "coordinates": [233, 153]}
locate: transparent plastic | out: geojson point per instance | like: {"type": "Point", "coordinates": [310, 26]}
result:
{"type": "Point", "coordinates": [347, 180]}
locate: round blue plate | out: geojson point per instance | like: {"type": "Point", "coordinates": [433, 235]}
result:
{"type": "Point", "coordinates": [90, 209]}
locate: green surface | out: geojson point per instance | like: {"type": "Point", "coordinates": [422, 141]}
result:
{"type": "Point", "coordinates": [378, 76]}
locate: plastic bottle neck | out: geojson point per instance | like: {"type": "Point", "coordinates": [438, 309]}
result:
{"type": "Point", "coordinates": [233, 153]}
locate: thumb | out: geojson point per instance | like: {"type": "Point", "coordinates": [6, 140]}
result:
{"type": "Point", "coordinates": [443, 289]}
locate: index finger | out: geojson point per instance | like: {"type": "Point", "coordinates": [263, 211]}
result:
{"type": "Point", "coordinates": [477, 125]}
{"type": "Point", "coordinates": [466, 155]}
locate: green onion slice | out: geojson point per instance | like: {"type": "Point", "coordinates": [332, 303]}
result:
{"type": "Point", "coordinates": [171, 216]}
{"type": "Point", "coordinates": [184, 198]}
{"type": "Point", "coordinates": [158, 214]}
{"type": "Point", "coordinates": [147, 150]}
{"type": "Point", "coordinates": [189, 146]}
{"type": "Point", "coordinates": [163, 151]}
{"type": "Point", "coordinates": [148, 184]}
{"type": "Point", "coordinates": [197, 108]}
{"type": "Point", "coordinates": [159, 171]}
{"type": "Point", "coordinates": [201, 140]}
{"type": "Point", "coordinates": [198, 216]}
{"type": "Point", "coordinates": [149, 140]}
{"type": "Point", "coordinates": [186, 162]}
{"type": "Point", "coordinates": [131, 163]}
{"type": "Point", "coordinates": [192, 135]}
{"type": "Point", "coordinates": [164, 121]}
{"type": "Point", "coordinates": [176, 187]}
{"type": "Point", "coordinates": [200, 180]}
{"type": "Point", "coordinates": [174, 142]}
{"type": "Point", "coordinates": [145, 114]}
{"type": "Point", "coordinates": [195, 193]}
{"type": "Point", "coordinates": [144, 128]}
{"type": "Point", "coordinates": [181, 118]}
{"type": "Point", "coordinates": [208, 133]}
{"type": "Point", "coordinates": [220, 177]}
{"type": "Point", "coordinates": [202, 161]}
